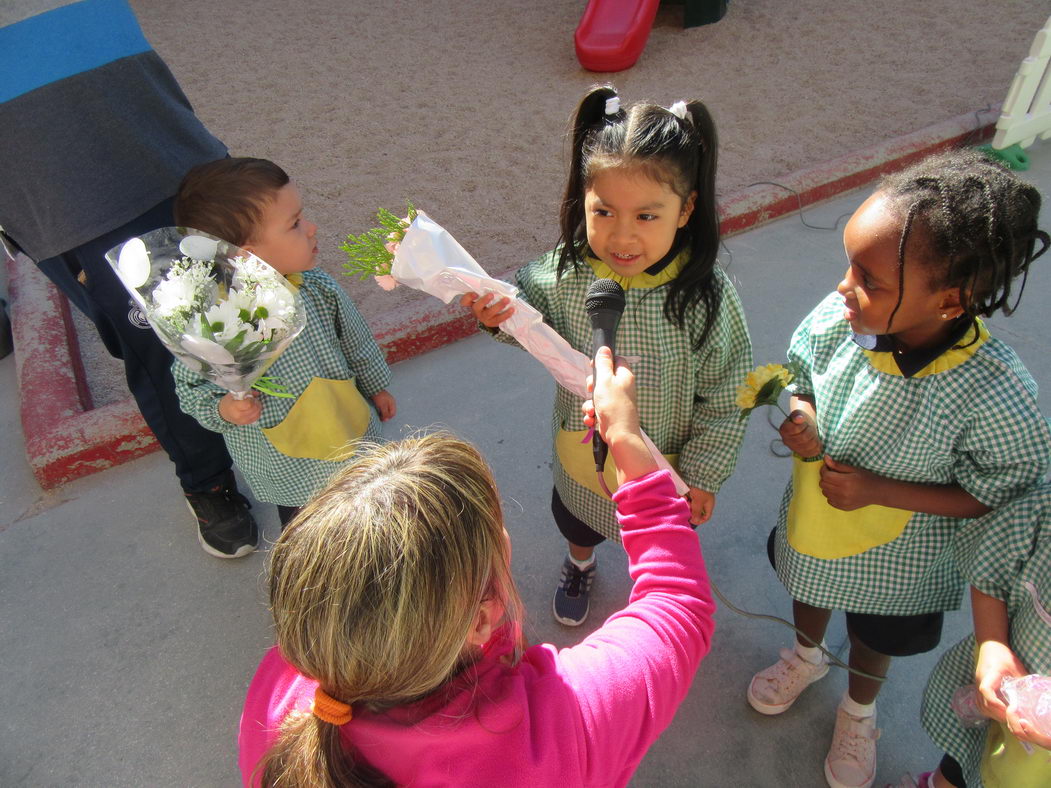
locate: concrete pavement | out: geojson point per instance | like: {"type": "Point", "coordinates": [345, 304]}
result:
{"type": "Point", "coordinates": [127, 650]}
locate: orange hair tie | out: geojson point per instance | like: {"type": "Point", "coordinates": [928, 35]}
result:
{"type": "Point", "coordinates": [330, 710]}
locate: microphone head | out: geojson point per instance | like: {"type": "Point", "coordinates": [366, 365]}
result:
{"type": "Point", "coordinates": [604, 294]}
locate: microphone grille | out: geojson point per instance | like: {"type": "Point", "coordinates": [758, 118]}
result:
{"type": "Point", "coordinates": [604, 294]}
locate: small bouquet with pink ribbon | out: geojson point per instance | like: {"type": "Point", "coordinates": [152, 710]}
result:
{"type": "Point", "coordinates": [417, 252]}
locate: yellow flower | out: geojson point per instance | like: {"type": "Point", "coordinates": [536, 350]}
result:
{"type": "Point", "coordinates": [762, 386]}
{"type": "Point", "coordinates": [745, 398]}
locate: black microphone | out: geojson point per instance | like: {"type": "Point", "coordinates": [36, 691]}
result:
{"type": "Point", "coordinates": [604, 304]}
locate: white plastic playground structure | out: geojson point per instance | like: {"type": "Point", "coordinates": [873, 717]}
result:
{"type": "Point", "coordinates": [1026, 112]}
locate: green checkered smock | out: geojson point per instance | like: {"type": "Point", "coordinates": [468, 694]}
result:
{"type": "Point", "coordinates": [336, 344]}
{"type": "Point", "coordinates": [998, 554]}
{"type": "Point", "coordinates": [975, 424]}
{"type": "Point", "coordinates": [685, 397]}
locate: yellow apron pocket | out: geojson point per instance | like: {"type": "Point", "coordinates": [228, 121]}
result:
{"type": "Point", "coordinates": [579, 462]}
{"type": "Point", "coordinates": [1007, 764]}
{"type": "Point", "coordinates": [817, 528]}
{"type": "Point", "coordinates": [324, 423]}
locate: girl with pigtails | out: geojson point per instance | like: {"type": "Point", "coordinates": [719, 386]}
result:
{"type": "Point", "coordinates": [639, 208]}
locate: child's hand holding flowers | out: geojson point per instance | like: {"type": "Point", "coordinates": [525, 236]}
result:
{"type": "Point", "coordinates": [488, 310]}
{"type": "Point", "coordinates": [763, 386]}
{"type": "Point", "coordinates": [241, 411]}
{"type": "Point", "coordinates": [799, 430]}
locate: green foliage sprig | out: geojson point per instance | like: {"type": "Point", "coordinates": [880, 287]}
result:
{"type": "Point", "coordinates": [369, 254]}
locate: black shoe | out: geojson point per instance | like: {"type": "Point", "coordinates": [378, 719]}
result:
{"type": "Point", "coordinates": [225, 527]}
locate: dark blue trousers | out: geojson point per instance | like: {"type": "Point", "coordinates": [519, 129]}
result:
{"type": "Point", "coordinates": [199, 454]}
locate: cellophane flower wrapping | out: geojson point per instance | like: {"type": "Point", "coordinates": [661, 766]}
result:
{"type": "Point", "coordinates": [222, 311]}
{"type": "Point", "coordinates": [429, 259]}
{"type": "Point", "coordinates": [1030, 697]}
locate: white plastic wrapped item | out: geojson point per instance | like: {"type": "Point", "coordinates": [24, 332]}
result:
{"type": "Point", "coordinates": [222, 311]}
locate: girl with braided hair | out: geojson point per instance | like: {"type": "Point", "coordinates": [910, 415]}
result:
{"type": "Point", "coordinates": [907, 420]}
{"type": "Point", "coordinates": [639, 208]}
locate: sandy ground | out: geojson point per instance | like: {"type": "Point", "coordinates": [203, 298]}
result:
{"type": "Point", "coordinates": [462, 106]}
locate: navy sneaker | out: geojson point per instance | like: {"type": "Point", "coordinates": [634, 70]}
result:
{"type": "Point", "coordinates": [570, 605]}
{"type": "Point", "coordinates": [225, 527]}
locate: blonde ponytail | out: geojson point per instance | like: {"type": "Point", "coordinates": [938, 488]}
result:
{"type": "Point", "coordinates": [374, 588]}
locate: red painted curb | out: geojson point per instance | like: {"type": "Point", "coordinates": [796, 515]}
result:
{"type": "Point", "coordinates": [418, 336]}
{"type": "Point", "coordinates": [66, 439]}
{"type": "Point", "coordinates": [762, 203]}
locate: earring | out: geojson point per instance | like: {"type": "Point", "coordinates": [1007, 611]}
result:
{"type": "Point", "coordinates": [945, 315]}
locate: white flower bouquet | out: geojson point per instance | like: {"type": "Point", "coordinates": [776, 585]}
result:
{"type": "Point", "coordinates": [419, 253]}
{"type": "Point", "coordinates": [219, 309]}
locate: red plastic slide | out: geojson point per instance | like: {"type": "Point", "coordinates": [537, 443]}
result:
{"type": "Point", "coordinates": [612, 33]}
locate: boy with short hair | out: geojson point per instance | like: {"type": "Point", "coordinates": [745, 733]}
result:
{"type": "Point", "coordinates": [287, 448]}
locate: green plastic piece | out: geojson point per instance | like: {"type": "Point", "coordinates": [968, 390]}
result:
{"type": "Point", "coordinates": [700, 12]}
{"type": "Point", "coordinates": [1013, 156]}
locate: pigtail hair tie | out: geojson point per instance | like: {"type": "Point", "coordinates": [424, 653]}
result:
{"type": "Point", "coordinates": [613, 105]}
{"type": "Point", "coordinates": [678, 109]}
{"type": "Point", "coordinates": [328, 709]}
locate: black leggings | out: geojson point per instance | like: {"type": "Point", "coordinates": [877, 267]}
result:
{"type": "Point", "coordinates": [573, 528]}
{"type": "Point", "coordinates": [894, 636]}
{"type": "Point", "coordinates": [286, 513]}
{"type": "Point", "coordinates": [199, 455]}
{"type": "Point", "coordinates": [952, 772]}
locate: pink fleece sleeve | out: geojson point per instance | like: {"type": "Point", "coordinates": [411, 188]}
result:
{"type": "Point", "coordinates": [630, 676]}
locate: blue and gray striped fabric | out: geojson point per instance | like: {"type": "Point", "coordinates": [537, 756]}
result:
{"type": "Point", "coordinates": [69, 40]}
{"type": "Point", "coordinates": [96, 129]}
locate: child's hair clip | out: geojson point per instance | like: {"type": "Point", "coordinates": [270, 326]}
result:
{"type": "Point", "coordinates": [678, 109]}
{"type": "Point", "coordinates": [613, 105]}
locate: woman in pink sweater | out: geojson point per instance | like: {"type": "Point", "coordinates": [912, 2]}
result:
{"type": "Point", "coordinates": [400, 659]}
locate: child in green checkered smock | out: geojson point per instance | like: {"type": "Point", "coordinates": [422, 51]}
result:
{"type": "Point", "coordinates": [907, 420]}
{"type": "Point", "coordinates": [1006, 557]}
{"type": "Point", "coordinates": [639, 209]}
{"type": "Point", "coordinates": [287, 448]}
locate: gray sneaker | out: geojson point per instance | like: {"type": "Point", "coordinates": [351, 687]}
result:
{"type": "Point", "coordinates": [570, 605]}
